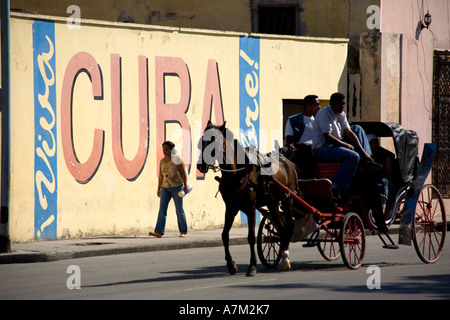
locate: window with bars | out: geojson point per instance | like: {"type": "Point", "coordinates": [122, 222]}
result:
{"type": "Point", "coordinates": [441, 122]}
{"type": "Point", "coordinates": [278, 19]}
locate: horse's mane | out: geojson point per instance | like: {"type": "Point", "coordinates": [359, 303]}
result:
{"type": "Point", "coordinates": [228, 135]}
{"type": "Point", "coordinates": [228, 132]}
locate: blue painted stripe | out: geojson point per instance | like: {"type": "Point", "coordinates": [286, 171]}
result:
{"type": "Point", "coordinates": [249, 92]}
{"type": "Point", "coordinates": [45, 140]}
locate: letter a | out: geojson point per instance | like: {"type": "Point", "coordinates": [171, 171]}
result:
{"type": "Point", "coordinates": [74, 281]}
{"type": "Point", "coordinates": [374, 281]}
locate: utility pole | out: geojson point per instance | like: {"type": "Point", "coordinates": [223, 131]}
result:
{"type": "Point", "coordinates": [5, 242]}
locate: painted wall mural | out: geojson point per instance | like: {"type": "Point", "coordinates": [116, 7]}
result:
{"type": "Point", "coordinates": [105, 96]}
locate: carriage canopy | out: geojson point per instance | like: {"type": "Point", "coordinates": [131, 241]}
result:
{"type": "Point", "coordinates": [406, 144]}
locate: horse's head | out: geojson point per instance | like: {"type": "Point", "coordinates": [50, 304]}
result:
{"type": "Point", "coordinates": [211, 146]}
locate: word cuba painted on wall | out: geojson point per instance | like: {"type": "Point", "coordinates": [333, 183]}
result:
{"type": "Point", "coordinates": [165, 112]}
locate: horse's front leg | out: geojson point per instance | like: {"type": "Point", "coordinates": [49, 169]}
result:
{"type": "Point", "coordinates": [286, 234]}
{"type": "Point", "coordinates": [229, 218]}
{"type": "Point", "coordinates": [251, 217]}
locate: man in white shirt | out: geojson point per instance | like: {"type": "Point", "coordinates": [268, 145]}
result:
{"type": "Point", "coordinates": [298, 133]}
{"type": "Point", "coordinates": [331, 131]}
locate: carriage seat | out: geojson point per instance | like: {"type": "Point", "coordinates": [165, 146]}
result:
{"type": "Point", "coordinates": [325, 170]}
{"type": "Point", "coordinates": [317, 192]}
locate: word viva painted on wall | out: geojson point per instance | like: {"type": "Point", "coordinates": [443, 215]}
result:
{"type": "Point", "coordinates": [45, 141]}
{"type": "Point", "coordinates": [83, 62]}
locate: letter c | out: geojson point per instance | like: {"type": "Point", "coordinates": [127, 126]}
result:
{"type": "Point", "coordinates": [80, 62]}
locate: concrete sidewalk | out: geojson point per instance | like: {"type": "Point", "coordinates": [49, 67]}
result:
{"type": "Point", "coordinates": [52, 250]}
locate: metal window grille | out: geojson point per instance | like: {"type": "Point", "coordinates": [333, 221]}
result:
{"type": "Point", "coordinates": [278, 19]}
{"type": "Point", "coordinates": [441, 122]}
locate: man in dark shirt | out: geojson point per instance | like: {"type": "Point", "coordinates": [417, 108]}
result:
{"type": "Point", "coordinates": [298, 135]}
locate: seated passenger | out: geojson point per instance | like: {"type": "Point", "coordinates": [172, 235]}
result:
{"type": "Point", "coordinates": [298, 133]}
{"type": "Point", "coordinates": [384, 176]}
{"type": "Point", "coordinates": [334, 140]}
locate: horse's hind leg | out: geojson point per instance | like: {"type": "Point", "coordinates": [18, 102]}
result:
{"type": "Point", "coordinates": [229, 218]}
{"type": "Point", "coordinates": [251, 271]}
{"type": "Point", "coordinates": [284, 226]}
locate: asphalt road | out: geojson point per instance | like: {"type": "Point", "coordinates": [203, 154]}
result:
{"type": "Point", "coordinates": [200, 274]}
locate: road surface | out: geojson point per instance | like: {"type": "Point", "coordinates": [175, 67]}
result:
{"type": "Point", "coordinates": [200, 274]}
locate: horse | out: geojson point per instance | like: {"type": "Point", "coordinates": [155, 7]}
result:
{"type": "Point", "coordinates": [245, 187]}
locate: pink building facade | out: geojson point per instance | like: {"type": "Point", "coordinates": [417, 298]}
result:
{"type": "Point", "coordinates": [424, 103]}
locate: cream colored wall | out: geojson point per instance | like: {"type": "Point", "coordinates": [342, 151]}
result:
{"type": "Point", "coordinates": [322, 77]}
{"type": "Point", "coordinates": [21, 220]}
{"type": "Point", "coordinates": [291, 67]}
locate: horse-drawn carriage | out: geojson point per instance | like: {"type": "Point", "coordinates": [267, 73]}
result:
{"type": "Point", "coordinates": [304, 210]}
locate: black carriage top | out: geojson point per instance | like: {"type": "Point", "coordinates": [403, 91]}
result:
{"type": "Point", "coordinates": [405, 142]}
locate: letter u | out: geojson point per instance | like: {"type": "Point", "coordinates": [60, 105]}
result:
{"type": "Point", "coordinates": [129, 169]}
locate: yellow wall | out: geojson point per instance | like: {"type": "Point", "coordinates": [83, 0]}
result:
{"type": "Point", "coordinates": [106, 202]}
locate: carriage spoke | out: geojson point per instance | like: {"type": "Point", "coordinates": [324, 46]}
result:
{"type": "Point", "coordinates": [430, 213]}
{"type": "Point", "coordinates": [268, 243]}
{"type": "Point", "coordinates": [352, 241]}
{"type": "Point", "coordinates": [328, 244]}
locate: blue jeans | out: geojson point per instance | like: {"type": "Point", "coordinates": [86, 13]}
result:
{"type": "Point", "coordinates": [386, 187]}
{"type": "Point", "coordinates": [349, 159]}
{"type": "Point", "coordinates": [166, 195]}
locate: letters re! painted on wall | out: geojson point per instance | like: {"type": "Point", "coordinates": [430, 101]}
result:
{"type": "Point", "coordinates": [45, 155]}
{"type": "Point", "coordinates": [249, 52]}
{"type": "Point", "coordinates": [249, 91]}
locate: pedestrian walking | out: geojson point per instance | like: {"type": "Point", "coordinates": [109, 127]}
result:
{"type": "Point", "coordinates": [172, 180]}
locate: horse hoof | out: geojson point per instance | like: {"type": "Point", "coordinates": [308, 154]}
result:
{"type": "Point", "coordinates": [285, 265]}
{"type": "Point", "coordinates": [251, 271]}
{"type": "Point", "coordinates": [232, 268]}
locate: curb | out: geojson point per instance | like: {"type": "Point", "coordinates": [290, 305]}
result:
{"type": "Point", "coordinates": [94, 247]}
{"type": "Point", "coordinates": [22, 256]}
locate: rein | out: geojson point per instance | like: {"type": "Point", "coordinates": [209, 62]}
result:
{"type": "Point", "coordinates": [216, 168]}
{"type": "Point", "coordinates": [245, 180]}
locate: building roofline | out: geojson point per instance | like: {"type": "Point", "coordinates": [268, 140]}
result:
{"type": "Point", "coordinates": [147, 27]}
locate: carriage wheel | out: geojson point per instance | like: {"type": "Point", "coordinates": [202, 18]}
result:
{"type": "Point", "coordinates": [352, 240]}
{"type": "Point", "coordinates": [268, 243]}
{"type": "Point", "coordinates": [327, 243]}
{"type": "Point", "coordinates": [430, 224]}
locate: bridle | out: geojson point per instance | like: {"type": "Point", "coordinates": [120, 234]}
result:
{"type": "Point", "coordinates": [216, 168]}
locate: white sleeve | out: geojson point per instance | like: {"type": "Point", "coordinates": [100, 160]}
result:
{"type": "Point", "coordinates": [342, 119]}
{"type": "Point", "coordinates": [323, 123]}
